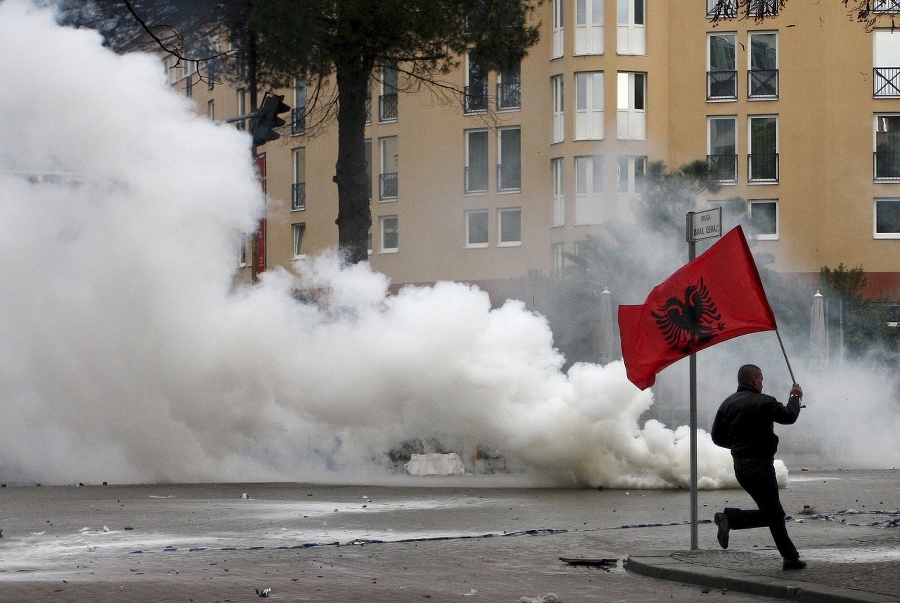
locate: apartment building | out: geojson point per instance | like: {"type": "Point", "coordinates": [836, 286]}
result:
{"type": "Point", "coordinates": [799, 112]}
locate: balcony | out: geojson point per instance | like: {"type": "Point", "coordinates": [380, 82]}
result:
{"type": "Point", "coordinates": [476, 179]}
{"type": "Point", "coordinates": [762, 83]}
{"type": "Point", "coordinates": [476, 99]}
{"type": "Point", "coordinates": [721, 8]}
{"type": "Point", "coordinates": [387, 107]}
{"type": "Point", "coordinates": [387, 186]}
{"type": "Point", "coordinates": [723, 168]}
{"type": "Point", "coordinates": [509, 96]}
{"type": "Point", "coordinates": [886, 81]}
{"type": "Point", "coordinates": [721, 85]}
{"type": "Point", "coordinates": [298, 121]}
{"type": "Point", "coordinates": [298, 196]}
{"type": "Point", "coordinates": [887, 165]}
{"type": "Point", "coordinates": [509, 176]}
{"type": "Point", "coordinates": [762, 167]}
{"type": "Point", "coordinates": [887, 7]}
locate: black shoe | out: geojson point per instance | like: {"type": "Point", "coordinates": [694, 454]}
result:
{"type": "Point", "coordinates": [722, 535]}
{"type": "Point", "coordinates": [793, 564]}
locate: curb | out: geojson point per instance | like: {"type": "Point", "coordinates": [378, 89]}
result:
{"type": "Point", "coordinates": [662, 565]}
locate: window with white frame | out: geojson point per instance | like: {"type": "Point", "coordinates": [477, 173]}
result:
{"type": "Point", "coordinates": [589, 105]}
{"type": "Point", "coordinates": [242, 251]}
{"type": "Point", "coordinates": [299, 233]}
{"type": "Point", "coordinates": [559, 196]}
{"type": "Point", "coordinates": [588, 189]}
{"type": "Point", "coordinates": [241, 107]}
{"type": "Point", "coordinates": [721, 67]}
{"type": "Point", "coordinates": [211, 109]}
{"type": "Point", "coordinates": [368, 154]}
{"type": "Point", "coordinates": [476, 162]}
{"type": "Point", "coordinates": [390, 237]}
{"type": "Point", "coordinates": [887, 218]}
{"type": "Point", "coordinates": [558, 257]}
{"type": "Point", "coordinates": [887, 147]}
{"type": "Point", "coordinates": [762, 8]}
{"type": "Point", "coordinates": [476, 90]}
{"type": "Point", "coordinates": [298, 113]}
{"type": "Point", "coordinates": [369, 241]}
{"type": "Point", "coordinates": [509, 155]}
{"type": "Point", "coordinates": [509, 226]}
{"type": "Point", "coordinates": [631, 37]}
{"type": "Point", "coordinates": [886, 6]}
{"type": "Point", "coordinates": [722, 148]}
{"type": "Point", "coordinates": [630, 169]}
{"type": "Point", "coordinates": [509, 89]}
{"type": "Point", "coordinates": [764, 218]}
{"type": "Point", "coordinates": [298, 188]}
{"type": "Point", "coordinates": [717, 9]}
{"type": "Point", "coordinates": [588, 26]}
{"type": "Point", "coordinates": [477, 228]}
{"type": "Point", "coordinates": [762, 77]}
{"type": "Point", "coordinates": [763, 153]}
{"type": "Point", "coordinates": [556, 84]}
{"type": "Point", "coordinates": [558, 28]}
{"type": "Point", "coordinates": [387, 101]}
{"type": "Point", "coordinates": [632, 112]}
{"type": "Point", "coordinates": [387, 188]}
{"type": "Point", "coordinates": [887, 63]}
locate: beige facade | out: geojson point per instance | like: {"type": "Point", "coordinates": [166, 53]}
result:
{"type": "Point", "coordinates": [790, 108]}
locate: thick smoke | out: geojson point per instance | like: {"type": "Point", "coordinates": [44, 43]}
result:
{"type": "Point", "coordinates": [130, 356]}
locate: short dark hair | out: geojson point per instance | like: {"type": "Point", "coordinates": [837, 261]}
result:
{"type": "Point", "coordinates": [747, 373]}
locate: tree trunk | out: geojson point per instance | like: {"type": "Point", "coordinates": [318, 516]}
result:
{"type": "Point", "coordinates": [354, 189]}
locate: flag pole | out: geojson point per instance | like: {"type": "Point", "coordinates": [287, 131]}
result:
{"type": "Point", "coordinates": [785, 356]}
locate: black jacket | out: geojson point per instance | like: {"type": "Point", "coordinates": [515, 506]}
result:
{"type": "Point", "coordinates": [745, 423]}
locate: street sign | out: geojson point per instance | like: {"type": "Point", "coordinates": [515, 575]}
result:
{"type": "Point", "coordinates": [704, 224]}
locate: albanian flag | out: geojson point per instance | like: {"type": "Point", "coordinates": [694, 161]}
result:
{"type": "Point", "coordinates": [716, 297]}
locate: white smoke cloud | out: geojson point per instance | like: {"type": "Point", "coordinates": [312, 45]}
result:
{"type": "Point", "coordinates": [129, 356]}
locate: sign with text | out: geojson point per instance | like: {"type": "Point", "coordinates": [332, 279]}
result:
{"type": "Point", "coordinates": [704, 225]}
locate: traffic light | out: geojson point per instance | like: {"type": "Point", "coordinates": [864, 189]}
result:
{"type": "Point", "coordinates": [262, 127]}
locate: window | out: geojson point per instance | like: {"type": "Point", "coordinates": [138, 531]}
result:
{"type": "Point", "coordinates": [242, 252]}
{"type": "Point", "coordinates": [589, 106]}
{"type": "Point", "coordinates": [389, 234]}
{"type": "Point", "coordinates": [211, 109]}
{"type": "Point", "coordinates": [369, 100]}
{"type": "Point", "coordinates": [299, 232]}
{"type": "Point", "coordinates": [887, 63]}
{"type": "Point", "coordinates": [368, 153]}
{"type": "Point", "coordinates": [387, 189]}
{"type": "Point", "coordinates": [558, 257]}
{"type": "Point", "coordinates": [887, 218]}
{"type": "Point", "coordinates": [887, 147]}
{"type": "Point", "coordinates": [630, 35]}
{"type": "Point", "coordinates": [721, 74]}
{"type": "Point", "coordinates": [763, 155]}
{"type": "Point", "coordinates": [242, 107]}
{"type": "Point", "coordinates": [588, 26]}
{"type": "Point", "coordinates": [588, 189]}
{"type": "Point", "coordinates": [559, 196]}
{"type": "Point", "coordinates": [722, 148]}
{"type": "Point", "coordinates": [556, 83]}
{"type": "Point", "coordinates": [721, 8]}
{"type": "Point", "coordinates": [476, 161]}
{"type": "Point", "coordinates": [298, 189]}
{"type": "Point", "coordinates": [764, 218]}
{"type": "Point", "coordinates": [509, 222]}
{"type": "Point", "coordinates": [630, 169]}
{"type": "Point", "coordinates": [762, 8]}
{"type": "Point", "coordinates": [886, 6]}
{"type": "Point", "coordinates": [763, 74]}
{"type": "Point", "coordinates": [557, 28]}
{"type": "Point", "coordinates": [298, 113]}
{"type": "Point", "coordinates": [476, 90]}
{"type": "Point", "coordinates": [509, 169]}
{"type": "Point", "coordinates": [387, 102]}
{"type": "Point", "coordinates": [632, 118]}
{"type": "Point", "coordinates": [509, 89]}
{"type": "Point", "coordinates": [477, 228]}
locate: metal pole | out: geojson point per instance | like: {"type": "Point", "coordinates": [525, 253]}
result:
{"type": "Point", "coordinates": [692, 252]}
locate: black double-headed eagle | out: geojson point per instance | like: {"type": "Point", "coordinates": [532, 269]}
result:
{"type": "Point", "coordinates": [689, 322]}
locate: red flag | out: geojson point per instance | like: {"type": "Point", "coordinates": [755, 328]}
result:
{"type": "Point", "coordinates": [716, 297]}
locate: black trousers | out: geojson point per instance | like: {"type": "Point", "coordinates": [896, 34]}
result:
{"type": "Point", "coordinates": [757, 477]}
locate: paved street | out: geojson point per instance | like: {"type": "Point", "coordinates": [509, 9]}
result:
{"type": "Point", "coordinates": [435, 539]}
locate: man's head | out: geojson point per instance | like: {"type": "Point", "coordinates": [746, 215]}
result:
{"type": "Point", "coordinates": [751, 376]}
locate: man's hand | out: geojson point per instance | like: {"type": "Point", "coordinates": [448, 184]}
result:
{"type": "Point", "coordinates": [796, 390]}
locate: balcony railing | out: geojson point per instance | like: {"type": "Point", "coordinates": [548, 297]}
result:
{"type": "Point", "coordinates": [723, 168]}
{"type": "Point", "coordinates": [886, 81]}
{"type": "Point", "coordinates": [762, 8]}
{"type": "Point", "coordinates": [886, 6]}
{"type": "Point", "coordinates": [476, 178]}
{"type": "Point", "coordinates": [509, 176]}
{"type": "Point", "coordinates": [721, 85]}
{"type": "Point", "coordinates": [887, 165]}
{"type": "Point", "coordinates": [475, 98]}
{"type": "Point", "coordinates": [298, 196]}
{"type": "Point", "coordinates": [762, 167]}
{"type": "Point", "coordinates": [387, 107]}
{"type": "Point", "coordinates": [387, 186]}
{"type": "Point", "coordinates": [509, 95]}
{"type": "Point", "coordinates": [762, 83]}
{"type": "Point", "coordinates": [298, 120]}
{"type": "Point", "coordinates": [721, 8]}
